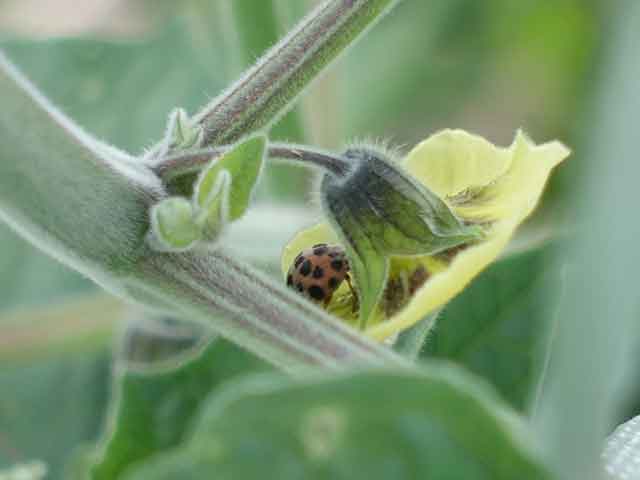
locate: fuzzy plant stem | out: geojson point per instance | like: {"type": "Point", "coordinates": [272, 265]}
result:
{"type": "Point", "coordinates": [266, 91]}
{"type": "Point", "coordinates": [189, 163]}
{"type": "Point", "coordinates": [79, 200]}
{"type": "Point", "coordinates": [267, 319]}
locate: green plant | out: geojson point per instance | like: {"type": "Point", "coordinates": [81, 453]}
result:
{"type": "Point", "coordinates": [150, 228]}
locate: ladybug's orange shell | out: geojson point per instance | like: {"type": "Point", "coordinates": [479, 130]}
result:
{"type": "Point", "coordinates": [317, 272]}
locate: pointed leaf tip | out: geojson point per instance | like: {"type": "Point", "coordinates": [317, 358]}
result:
{"type": "Point", "coordinates": [243, 163]}
{"type": "Point", "coordinates": [213, 213]}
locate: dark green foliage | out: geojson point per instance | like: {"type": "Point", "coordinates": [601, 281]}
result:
{"type": "Point", "coordinates": [498, 327]}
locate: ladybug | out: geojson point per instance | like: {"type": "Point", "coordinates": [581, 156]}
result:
{"type": "Point", "coordinates": [317, 272]}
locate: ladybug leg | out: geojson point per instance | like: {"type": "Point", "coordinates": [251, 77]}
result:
{"type": "Point", "coordinates": [327, 300]}
{"type": "Point", "coordinates": [354, 306]}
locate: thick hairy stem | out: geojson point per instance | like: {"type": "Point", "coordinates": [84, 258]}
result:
{"type": "Point", "coordinates": [268, 319]}
{"type": "Point", "coordinates": [81, 201]}
{"type": "Point", "coordinates": [265, 92]}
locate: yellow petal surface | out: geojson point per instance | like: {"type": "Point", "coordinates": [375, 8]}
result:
{"type": "Point", "coordinates": [501, 186]}
{"type": "Point", "coordinates": [321, 233]}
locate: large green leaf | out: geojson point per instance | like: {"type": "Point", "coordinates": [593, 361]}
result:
{"type": "Point", "coordinates": [244, 164]}
{"type": "Point", "coordinates": [436, 424]}
{"type": "Point", "coordinates": [498, 327]}
{"type": "Point", "coordinates": [155, 409]}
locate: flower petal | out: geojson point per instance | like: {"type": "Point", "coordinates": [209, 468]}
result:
{"type": "Point", "coordinates": [450, 161]}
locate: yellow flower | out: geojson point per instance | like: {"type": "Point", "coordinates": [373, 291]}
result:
{"type": "Point", "coordinates": [495, 187]}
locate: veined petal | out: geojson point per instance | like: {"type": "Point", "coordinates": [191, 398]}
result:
{"type": "Point", "coordinates": [450, 164]}
{"type": "Point", "coordinates": [452, 160]}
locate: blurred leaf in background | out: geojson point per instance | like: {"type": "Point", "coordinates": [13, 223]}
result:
{"type": "Point", "coordinates": [438, 423]}
{"type": "Point", "coordinates": [54, 379]}
{"type": "Point", "coordinates": [156, 408]}
{"type": "Point", "coordinates": [50, 407]}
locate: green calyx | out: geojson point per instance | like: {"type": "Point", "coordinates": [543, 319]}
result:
{"type": "Point", "coordinates": [380, 211]}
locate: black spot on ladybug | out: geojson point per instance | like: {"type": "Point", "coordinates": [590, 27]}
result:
{"type": "Point", "coordinates": [318, 272]}
{"type": "Point", "coordinates": [319, 251]}
{"type": "Point", "coordinates": [300, 287]}
{"type": "Point", "coordinates": [299, 260]}
{"type": "Point", "coordinates": [316, 292]}
{"type": "Point", "coordinates": [289, 280]}
{"type": "Point", "coordinates": [319, 245]}
{"type": "Point", "coordinates": [305, 269]}
{"type": "Point", "coordinates": [333, 282]}
{"type": "Point", "coordinates": [337, 264]}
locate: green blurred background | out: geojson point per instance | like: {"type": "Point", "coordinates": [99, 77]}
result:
{"type": "Point", "coordinates": [119, 66]}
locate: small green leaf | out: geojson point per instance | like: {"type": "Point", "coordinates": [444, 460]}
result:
{"type": "Point", "coordinates": [434, 424]}
{"type": "Point", "coordinates": [244, 162]}
{"type": "Point", "coordinates": [212, 215]}
{"type": "Point", "coordinates": [155, 409]}
{"type": "Point", "coordinates": [173, 225]}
